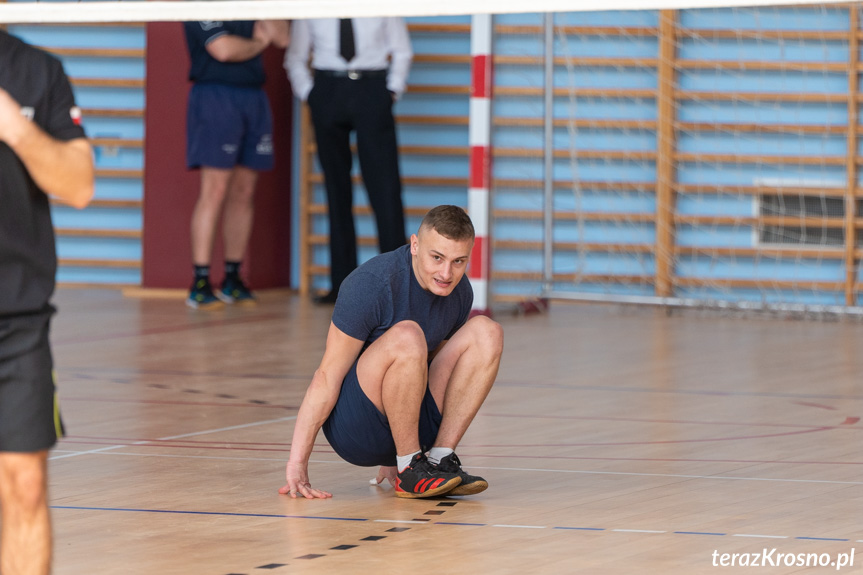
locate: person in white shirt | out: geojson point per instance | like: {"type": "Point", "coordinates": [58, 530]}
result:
{"type": "Point", "coordinates": [359, 68]}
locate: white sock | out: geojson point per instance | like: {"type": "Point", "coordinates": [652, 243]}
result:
{"type": "Point", "coordinates": [403, 461]}
{"type": "Point", "coordinates": [438, 453]}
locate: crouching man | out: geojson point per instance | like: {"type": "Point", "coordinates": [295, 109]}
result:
{"type": "Point", "coordinates": [405, 369]}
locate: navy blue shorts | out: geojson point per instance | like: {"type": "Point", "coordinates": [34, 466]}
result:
{"type": "Point", "coordinates": [29, 416]}
{"type": "Point", "coordinates": [360, 433]}
{"type": "Point", "coordinates": [227, 126]}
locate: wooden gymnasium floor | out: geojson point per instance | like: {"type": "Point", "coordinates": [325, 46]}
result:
{"type": "Point", "coordinates": [616, 440]}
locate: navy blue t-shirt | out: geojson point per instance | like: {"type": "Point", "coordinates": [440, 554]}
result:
{"type": "Point", "coordinates": [206, 69]}
{"type": "Point", "coordinates": [384, 291]}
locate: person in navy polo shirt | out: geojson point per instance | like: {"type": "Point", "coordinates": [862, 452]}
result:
{"type": "Point", "coordinates": [405, 369]}
{"type": "Point", "coordinates": [229, 138]}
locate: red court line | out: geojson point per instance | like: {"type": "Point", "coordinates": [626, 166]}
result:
{"type": "Point", "coordinates": [64, 399]}
{"type": "Point", "coordinates": [675, 441]}
{"type": "Point", "coordinates": [818, 405]}
{"type": "Point", "coordinates": [660, 459]}
{"type": "Point", "coordinates": [710, 392]}
{"type": "Point", "coordinates": [179, 446]}
{"type": "Point", "coordinates": [238, 445]}
{"type": "Point", "coordinates": [165, 329]}
{"type": "Point", "coordinates": [486, 455]}
{"type": "Point", "coordinates": [119, 371]}
{"type": "Point", "coordinates": [670, 421]}
{"type": "Point", "coordinates": [201, 441]}
{"type": "Point", "coordinates": [535, 445]}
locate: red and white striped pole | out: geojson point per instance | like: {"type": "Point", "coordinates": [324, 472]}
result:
{"type": "Point", "coordinates": [479, 191]}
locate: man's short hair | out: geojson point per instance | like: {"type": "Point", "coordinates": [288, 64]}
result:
{"type": "Point", "coordinates": [451, 222]}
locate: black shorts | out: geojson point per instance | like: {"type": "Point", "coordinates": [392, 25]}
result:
{"type": "Point", "coordinates": [360, 434]}
{"type": "Point", "coordinates": [29, 415]}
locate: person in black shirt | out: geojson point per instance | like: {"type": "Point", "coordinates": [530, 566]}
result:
{"type": "Point", "coordinates": [43, 151]}
{"type": "Point", "coordinates": [229, 137]}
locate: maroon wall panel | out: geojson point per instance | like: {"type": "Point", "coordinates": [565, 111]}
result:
{"type": "Point", "coordinates": [170, 190]}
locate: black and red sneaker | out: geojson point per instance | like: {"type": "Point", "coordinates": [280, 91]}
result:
{"type": "Point", "coordinates": [470, 484]}
{"type": "Point", "coordinates": [422, 479]}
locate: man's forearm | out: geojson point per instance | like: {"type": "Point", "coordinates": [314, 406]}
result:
{"type": "Point", "coordinates": [63, 169]}
{"type": "Point", "coordinates": [315, 409]}
{"type": "Point", "coordinates": [230, 48]}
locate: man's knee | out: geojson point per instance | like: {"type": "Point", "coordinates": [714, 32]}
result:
{"type": "Point", "coordinates": [23, 480]}
{"type": "Point", "coordinates": [487, 336]}
{"type": "Point", "coordinates": [242, 186]}
{"type": "Point", "coordinates": [408, 340]}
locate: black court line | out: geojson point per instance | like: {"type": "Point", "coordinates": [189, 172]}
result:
{"type": "Point", "coordinates": [347, 547]}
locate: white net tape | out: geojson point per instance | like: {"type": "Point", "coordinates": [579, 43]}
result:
{"type": "Point", "coordinates": [142, 11]}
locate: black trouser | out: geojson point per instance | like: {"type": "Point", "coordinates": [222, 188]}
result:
{"type": "Point", "coordinates": [339, 105]}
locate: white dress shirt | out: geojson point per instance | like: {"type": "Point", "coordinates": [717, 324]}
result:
{"type": "Point", "coordinates": [381, 43]}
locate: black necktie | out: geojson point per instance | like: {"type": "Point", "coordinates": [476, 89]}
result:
{"type": "Point", "coordinates": [346, 39]}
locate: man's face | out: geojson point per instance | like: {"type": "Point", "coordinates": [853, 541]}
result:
{"type": "Point", "coordinates": [438, 262]}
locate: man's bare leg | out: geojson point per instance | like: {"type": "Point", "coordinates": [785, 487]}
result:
{"type": "Point", "coordinates": [461, 376]}
{"type": "Point", "coordinates": [25, 540]}
{"type": "Point", "coordinates": [205, 217]}
{"type": "Point", "coordinates": [392, 373]}
{"type": "Point", "coordinates": [239, 212]}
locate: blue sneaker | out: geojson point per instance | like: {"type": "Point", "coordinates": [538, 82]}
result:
{"type": "Point", "coordinates": [201, 296]}
{"type": "Point", "coordinates": [234, 291]}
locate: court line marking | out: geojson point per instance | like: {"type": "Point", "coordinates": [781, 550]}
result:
{"type": "Point", "coordinates": [673, 475]}
{"type": "Point", "coordinates": [192, 434]}
{"type": "Point", "coordinates": [363, 519]}
{"type": "Point", "coordinates": [220, 513]}
{"type": "Point", "coordinates": [723, 393]}
{"type": "Point", "coordinates": [320, 448]}
{"type": "Point", "coordinates": [530, 470]}
{"type": "Point", "coordinates": [821, 539]}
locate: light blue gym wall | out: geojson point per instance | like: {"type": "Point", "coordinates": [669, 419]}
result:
{"type": "Point", "coordinates": [125, 218]}
{"type": "Point", "coordinates": [116, 213]}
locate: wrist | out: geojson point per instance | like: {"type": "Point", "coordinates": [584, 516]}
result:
{"type": "Point", "coordinates": [15, 132]}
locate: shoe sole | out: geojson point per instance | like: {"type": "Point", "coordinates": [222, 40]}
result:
{"type": "Point", "coordinates": [469, 488]}
{"type": "Point", "coordinates": [204, 306]}
{"type": "Point", "coordinates": [233, 301]}
{"type": "Point", "coordinates": [443, 489]}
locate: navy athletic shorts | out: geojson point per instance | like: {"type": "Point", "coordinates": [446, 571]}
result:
{"type": "Point", "coordinates": [228, 126]}
{"type": "Point", "coordinates": [360, 434]}
{"type": "Point", "coordinates": [29, 416]}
